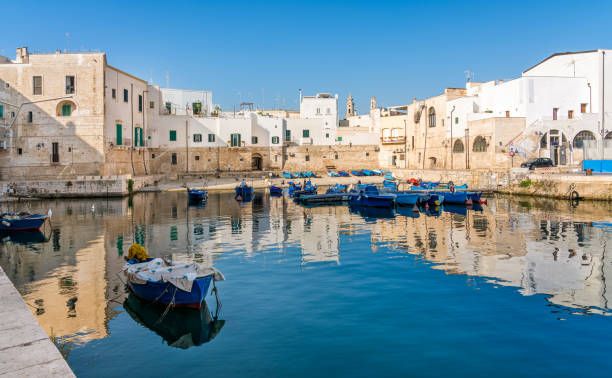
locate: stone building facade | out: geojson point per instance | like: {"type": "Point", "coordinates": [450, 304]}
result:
{"type": "Point", "coordinates": [52, 112]}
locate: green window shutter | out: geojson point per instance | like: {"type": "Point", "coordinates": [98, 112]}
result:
{"type": "Point", "coordinates": [211, 138]}
{"type": "Point", "coordinates": [288, 135]}
{"type": "Point", "coordinates": [339, 139]}
{"type": "Point", "coordinates": [1, 111]}
{"type": "Point", "coordinates": [66, 110]}
{"type": "Point", "coordinates": [172, 135]}
{"type": "Point", "coordinates": [119, 135]}
{"type": "Point", "coordinates": [305, 133]}
{"type": "Point", "coordinates": [141, 138]}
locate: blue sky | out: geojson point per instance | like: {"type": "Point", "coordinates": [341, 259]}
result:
{"type": "Point", "coordinates": [263, 52]}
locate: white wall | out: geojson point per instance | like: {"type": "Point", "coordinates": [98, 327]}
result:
{"type": "Point", "coordinates": [183, 99]}
{"type": "Point", "coordinates": [531, 97]}
{"type": "Point", "coordinates": [125, 113]}
{"type": "Point", "coordinates": [320, 106]}
{"type": "Point", "coordinates": [320, 133]}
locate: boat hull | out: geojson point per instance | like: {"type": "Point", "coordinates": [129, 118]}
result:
{"type": "Point", "coordinates": [380, 201]}
{"type": "Point", "coordinates": [457, 197]}
{"type": "Point", "coordinates": [197, 195]}
{"type": "Point", "coordinates": [27, 224]}
{"type": "Point", "coordinates": [164, 293]}
{"type": "Point", "coordinates": [407, 199]}
{"type": "Point", "coordinates": [243, 191]}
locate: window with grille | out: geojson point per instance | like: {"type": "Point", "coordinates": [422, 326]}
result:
{"type": "Point", "coordinates": [70, 85]}
{"type": "Point", "coordinates": [37, 85]}
{"type": "Point", "coordinates": [197, 138]}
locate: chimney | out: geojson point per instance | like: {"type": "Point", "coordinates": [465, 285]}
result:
{"type": "Point", "coordinates": [22, 55]}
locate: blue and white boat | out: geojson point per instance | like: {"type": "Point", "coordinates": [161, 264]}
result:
{"type": "Point", "coordinates": [336, 188]}
{"type": "Point", "coordinates": [407, 199]}
{"type": "Point", "coordinates": [456, 197]}
{"type": "Point", "coordinates": [177, 284]}
{"type": "Point", "coordinates": [22, 221]}
{"type": "Point", "coordinates": [276, 191]}
{"type": "Point", "coordinates": [371, 197]}
{"type": "Point", "coordinates": [197, 194]}
{"type": "Point", "coordinates": [243, 190]}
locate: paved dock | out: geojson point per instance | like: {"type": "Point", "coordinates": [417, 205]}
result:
{"type": "Point", "coordinates": [25, 349]}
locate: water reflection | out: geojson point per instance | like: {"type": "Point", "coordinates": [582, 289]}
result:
{"type": "Point", "coordinates": [72, 285]}
{"type": "Point", "coordinates": [179, 328]}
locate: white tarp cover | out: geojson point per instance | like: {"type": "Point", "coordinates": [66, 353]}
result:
{"type": "Point", "coordinates": [180, 275]}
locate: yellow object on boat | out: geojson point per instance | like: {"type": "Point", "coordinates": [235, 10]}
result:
{"type": "Point", "coordinates": [139, 252]}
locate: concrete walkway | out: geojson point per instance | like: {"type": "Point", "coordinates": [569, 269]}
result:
{"type": "Point", "coordinates": [25, 349]}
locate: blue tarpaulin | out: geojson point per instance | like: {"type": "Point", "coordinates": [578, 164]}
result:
{"type": "Point", "coordinates": [603, 166]}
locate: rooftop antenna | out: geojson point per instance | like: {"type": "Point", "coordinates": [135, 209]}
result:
{"type": "Point", "coordinates": [469, 75]}
{"type": "Point", "coordinates": [151, 78]}
{"type": "Point", "coordinates": [167, 79]}
{"type": "Point", "coordinates": [67, 42]}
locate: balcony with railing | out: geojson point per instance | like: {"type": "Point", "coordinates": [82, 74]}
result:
{"type": "Point", "coordinates": [393, 139]}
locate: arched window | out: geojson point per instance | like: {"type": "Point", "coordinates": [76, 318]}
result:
{"type": "Point", "coordinates": [582, 136]}
{"type": "Point", "coordinates": [458, 147]}
{"type": "Point", "coordinates": [480, 144]}
{"type": "Point", "coordinates": [65, 108]}
{"type": "Point", "coordinates": [432, 117]}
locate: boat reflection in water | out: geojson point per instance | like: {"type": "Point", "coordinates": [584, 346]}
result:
{"type": "Point", "coordinates": [180, 327]}
{"type": "Point", "coordinates": [373, 213]}
{"type": "Point", "coordinates": [23, 238]}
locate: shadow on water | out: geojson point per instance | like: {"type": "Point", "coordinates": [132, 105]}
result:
{"type": "Point", "coordinates": [179, 327]}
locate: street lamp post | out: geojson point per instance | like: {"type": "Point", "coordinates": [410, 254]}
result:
{"type": "Point", "coordinates": [451, 135]}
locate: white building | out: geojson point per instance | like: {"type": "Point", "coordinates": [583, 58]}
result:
{"type": "Point", "coordinates": [560, 99]}
{"type": "Point", "coordinates": [184, 102]}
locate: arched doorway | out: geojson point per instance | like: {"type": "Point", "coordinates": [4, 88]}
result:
{"type": "Point", "coordinates": [432, 162]}
{"type": "Point", "coordinates": [480, 144]}
{"type": "Point", "coordinates": [581, 137]}
{"type": "Point", "coordinates": [256, 162]}
{"type": "Point", "coordinates": [458, 147]}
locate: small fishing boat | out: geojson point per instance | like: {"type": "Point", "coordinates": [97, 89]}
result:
{"type": "Point", "coordinates": [390, 184]}
{"type": "Point", "coordinates": [287, 175]}
{"type": "Point", "coordinates": [366, 172]}
{"type": "Point", "coordinates": [276, 191]}
{"type": "Point", "coordinates": [371, 197]}
{"type": "Point", "coordinates": [357, 173]}
{"type": "Point", "coordinates": [197, 194]}
{"type": "Point", "coordinates": [22, 221]}
{"type": "Point", "coordinates": [336, 189]}
{"type": "Point", "coordinates": [332, 174]}
{"type": "Point", "coordinates": [165, 283]}
{"type": "Point", "coordinates": [343, 174]}
{"type": "Point", "coordinates": [243, 190]}
{"type": "Point", "coordinates": [376, 172]}
{"type": "Point", "coordinates": [450, 197]}
{"type": "Point", "coordinates": [327, 198]}
{"type": "Point", "coordinates": [407, 199]}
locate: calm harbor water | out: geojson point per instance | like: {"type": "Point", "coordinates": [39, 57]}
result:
{"type": "Point", "coordinates": [519, 288]}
